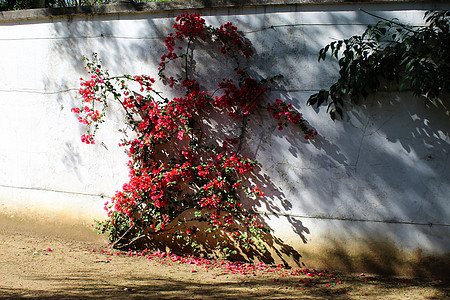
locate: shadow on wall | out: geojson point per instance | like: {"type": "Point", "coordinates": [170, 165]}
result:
{"type": "Point", "coordinates": [386, 161]}
{"type": "Point", "coordinates": [380, 255]}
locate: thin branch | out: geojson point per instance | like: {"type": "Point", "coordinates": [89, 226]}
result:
{"type": "Point", "coordinates": [243, 131]}
{"type": "Point", "coordinates": [186, 59]}
{"type": "Point", "coordinates": [121, 237]}
{"type": "Point", "coordinates": [390, 21]}
{"type": "Point", "coordinates": [166, 100]}
{"type": "Point", "coordinates": [135, 239]}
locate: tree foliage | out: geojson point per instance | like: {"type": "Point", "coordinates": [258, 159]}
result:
{"type": "Point", "coordinates": [414, 57]}
{"type": "Point", "coordinates": [27, 4]}
{"type": "Point", "coordinates": [16, 4]}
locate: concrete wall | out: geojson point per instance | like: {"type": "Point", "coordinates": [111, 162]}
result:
{"type": "Point", "coordinates": [371, 192]}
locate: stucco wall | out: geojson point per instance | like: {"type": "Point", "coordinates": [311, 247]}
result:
{"type": "Point", "coordinates": [371, 191]}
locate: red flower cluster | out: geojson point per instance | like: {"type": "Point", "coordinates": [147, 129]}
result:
{"type": "Point", "coordinates": [190, 26]}
{"type": "Point", "coordinates": [187, 26]}
{"type": "Point", "coordinates": [242, 100]}
{"type": "Point", "coordinates": [284, 113]}
{"type": "Point", "coordinates": [228, 34]}
{"type": "Point", "coordinates": [87, 139]}
{"type": "Point", "coordinates": [240, 164]}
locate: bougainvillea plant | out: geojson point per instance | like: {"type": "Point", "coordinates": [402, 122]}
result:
{"type": "Point", "coordinates": [182, 183]}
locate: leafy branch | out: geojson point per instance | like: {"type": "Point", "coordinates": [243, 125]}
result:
{"type": "Point", "coordinates": [415, 58]}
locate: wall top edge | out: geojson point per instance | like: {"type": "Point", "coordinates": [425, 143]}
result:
{"type": "Point", "coordinates": [127, 7]}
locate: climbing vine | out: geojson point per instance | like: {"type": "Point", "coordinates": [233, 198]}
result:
{"type": "Point", "coordinates": [414, 57]}
{"type": "Point", "coordinates": [183, 183]}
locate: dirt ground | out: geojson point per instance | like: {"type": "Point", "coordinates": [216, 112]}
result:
{"type": "Point", "coordinates": [39, 266]}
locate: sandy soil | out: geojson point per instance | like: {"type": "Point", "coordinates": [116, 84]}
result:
{"type": "Point", "coordinates": [39, 266]}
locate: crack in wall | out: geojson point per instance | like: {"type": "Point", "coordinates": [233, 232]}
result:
{"type": "Point", "coordinates": [360, 145]}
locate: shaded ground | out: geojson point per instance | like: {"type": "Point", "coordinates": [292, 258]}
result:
{"type": "Point", "coordinates": [37, 266]}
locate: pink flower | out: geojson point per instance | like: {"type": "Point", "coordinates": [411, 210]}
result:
{"type": "Point", "coordinates": [87, 139]}
{"type": "Point", "coordinates": [181, 134]}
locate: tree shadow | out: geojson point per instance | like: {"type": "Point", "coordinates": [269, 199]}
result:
{"type": "Point", "coordinates": [88, 285]}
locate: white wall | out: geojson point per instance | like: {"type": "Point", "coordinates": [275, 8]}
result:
{"type": "Point", "coordinates": [372, 186]}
